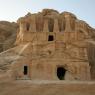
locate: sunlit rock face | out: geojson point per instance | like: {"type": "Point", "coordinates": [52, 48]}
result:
{"type": "Point", "coordinates": [50, 46]}
{"type": "Point", "coordinates": [7, 35]}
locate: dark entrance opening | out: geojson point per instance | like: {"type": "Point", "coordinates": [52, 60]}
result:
{"type": "Point", "coordinates": [28, 26]}
{"type": "Point", "coordinates": [50, 38]}
{"type": "Point", "coordinates": [61, 73]}
{"type": "Point", "coordinates": [25, 70]}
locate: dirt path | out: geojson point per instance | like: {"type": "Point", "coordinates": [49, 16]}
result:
{"type": "Point", "coordinates": [28, 87]}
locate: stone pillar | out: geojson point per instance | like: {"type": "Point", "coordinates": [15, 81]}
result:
{"type": "Point", "coordinates": [33, 24]}
{"type": "Point", "coordinates": [56, 27]}
{"type": "Point", "coordinates": [68, 26]}
{"type": "Point", "coordinates": [22, 26]}
{"type": "Point", "coordinates": [62, 26]}
{"type": "Point", "coordinates": [45, 28]}
{"type": "Point", "coordinates": [21, 32]}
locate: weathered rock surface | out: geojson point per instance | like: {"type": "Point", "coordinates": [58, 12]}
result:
{"type": "Point", "coordinates": [46, 40]}
{"type": "Point", "coordinates": [44, 43]}
{"type": "Point", "coordinates": [7, 35]}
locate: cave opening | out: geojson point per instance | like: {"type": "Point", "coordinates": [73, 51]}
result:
{"type": "Point", "coordinates": [61, 73]}
{"type": "Point", "coordinates": [25, 70]}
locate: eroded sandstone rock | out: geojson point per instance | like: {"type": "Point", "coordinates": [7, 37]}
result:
{"type": "Point", "coordinates": [7, 35]}
{"type": "Point", "coordinates": [51, 46]}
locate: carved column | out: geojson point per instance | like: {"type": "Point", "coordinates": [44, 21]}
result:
{"type": "Point", "coordinates": [68, 26]}
{"type": "Point", "coordinates": [62, 26]}
{"type": "Point", "coordinates": [22, 29]}
{"type": "Point", "coordinates": [22, 26]}
{"type": "Point", "coordinates": [56, 27]}
{"type": "Point", "coordinates": [33, 24]}
{"type": "Point", "coordinates": [45, 28]}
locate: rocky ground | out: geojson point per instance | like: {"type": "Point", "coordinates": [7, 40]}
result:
{"type": "Point", "coordinates": [27, 87]}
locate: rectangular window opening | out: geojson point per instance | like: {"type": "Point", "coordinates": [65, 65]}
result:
{"type": "Point", "coordinates": [25, 70]}
{"type": "Point", "coordinates": [50, 38]}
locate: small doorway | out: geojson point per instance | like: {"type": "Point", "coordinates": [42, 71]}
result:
{"type": "Point", "coordinates": [61, 73]}
{"type": "Point", "coordinates": [25, 70]}
{"type": "Point", "coordinates": [27, 26]}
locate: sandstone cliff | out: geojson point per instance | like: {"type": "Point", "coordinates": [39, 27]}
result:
{"type": "Point", "coordinates": [73, 32]}
{"type": "Point", "coordinates": [7, 35]}
{"type": "Point", "coordinates": [67, 22]}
